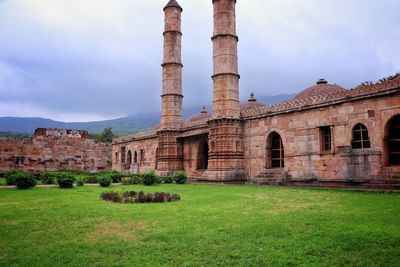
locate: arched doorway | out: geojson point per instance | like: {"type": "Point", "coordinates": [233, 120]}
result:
{"type": "Point", "coordinates": [129, 160]}
{"type": "Point", "coordinates": [202, 158]}
{"type": "Point", "coordinates": [275, 153]}
{"type": "Point", "coordinates": [156, 163]}
{"type": "Point", "coordinates": [393, 141]}
{"type": "Point", "coordinates": [135, 157]}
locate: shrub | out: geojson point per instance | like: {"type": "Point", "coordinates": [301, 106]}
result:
{"type": "Point", "coordinates": [90, 179]}
{"type": "Point", "coordinates": [137, 179]}
{"type": "Point", "coordinates": [149, 178]}
{"type": "Point", "coordinates": [113, 175]}
{"type": "Point", "coordinates": [48, 178]}
{"type": "Point", "coordinates": [144, 198]}
{"type": "Point", "coordinates": [9, 176]}
{"type": "Point", "coordinates": [111, 196]}
{"type": "Point", "coordinates": [126, 181]}
{"type": "Point", "coordinates": [168, 179]}
{"type": "Point", "coordinates": [141, 197]}
{"type": "Point", "coordinates": [24, 180]}
{"type": "Point", "coordinates": [104, 181]}
{"type": "Point", "coordinates": [80, 182]}
{"type": "Point", "coordinates": [65, 180]}
{"type": "Point", "coordinates": [180, 177]}
{"type": "Point", "coordinates": [129, 194]}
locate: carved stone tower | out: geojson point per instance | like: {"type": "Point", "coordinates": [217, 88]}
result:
{"type": "Point", "coordinates": [169, 148]}
{"type": "Point", "coordinates": [226, 134]}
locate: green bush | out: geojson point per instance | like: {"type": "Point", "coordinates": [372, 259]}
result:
{"type": "Point", "coordinates": [126, 180]}
{"type": "Point", "coordinates": [48, 177]}
{"type": "Point", "coordinates": [114, 175]}
{"type": "Point", "coordinates": [168, 179]}
{"type": "Point", "coordinates": [104, 181]}
{"type": "Point", "coordinates": [80, 182]}
{"type": "Point", "coordinates": [24, 180]}
{"type": "Point", "coordinates": [149, 178]}
{"type": "Point", "coordinates": [180, 177]}
{"type": "Point", "coordinates": [65, 180]}
{"type": "Point", "coordinates": [137, 179]}
{"type": "Point", "coordinates": [9, 176]}
{"type": "Point", "coordinates": [90, 179]}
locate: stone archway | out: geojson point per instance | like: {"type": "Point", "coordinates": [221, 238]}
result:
{"type": "Point", "coordinates": [128, 160]}
{"type": "Point", "coordinates": [275, 153]}
{"type": "Point", "coordinates": [202, 156]}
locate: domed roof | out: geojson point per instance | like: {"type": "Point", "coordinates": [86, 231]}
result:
{"type": "Point", "coordinates": [251, 103]}
{"type": "Point", "coordinates": [203, 115]}
{"type": "Point", "coordinates": [321, 88]}
{"type": "Point", "coordinates": [173, 3]}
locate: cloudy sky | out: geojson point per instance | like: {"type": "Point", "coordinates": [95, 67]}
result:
{"type": "Point", "coordinates": [80, 60]}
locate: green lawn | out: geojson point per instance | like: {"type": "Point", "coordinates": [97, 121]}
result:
{"type": "Point", "coordinates": [212, 226]}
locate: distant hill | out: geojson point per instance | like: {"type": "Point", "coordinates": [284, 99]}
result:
{"type": "Point", "coordinates": [121, 126]}
{"type": "Point", "coordinates": [129, 124]}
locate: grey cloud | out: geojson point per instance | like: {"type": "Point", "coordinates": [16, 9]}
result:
{"type": "Point", "coordinates": [103, 57]}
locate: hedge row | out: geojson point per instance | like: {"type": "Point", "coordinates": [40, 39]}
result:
{"type": "Point", "coordinates": [64, 179]}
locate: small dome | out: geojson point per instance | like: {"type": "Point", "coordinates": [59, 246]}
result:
{"type": "Point", "coordinates": [203, 115]}
{"type": "Point", "coordinates": [321, 88]}
{"type": "Point", "coordinates": [251, 103]}
{"type": "Point", "coordinates": [173, 3]}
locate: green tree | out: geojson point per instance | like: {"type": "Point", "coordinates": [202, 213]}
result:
{"type": "Point", "coordinates": [106, 136]}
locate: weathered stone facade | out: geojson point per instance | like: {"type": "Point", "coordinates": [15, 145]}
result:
{"type": "Point", "coordinates": [55, 149]}
{"type": "Point", "coordinates": [327, 135]}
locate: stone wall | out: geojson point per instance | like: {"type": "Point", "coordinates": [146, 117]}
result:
{"type": "Point", "coordinates": [146, 153]}
{"type": "Point", "coordinates": [301, 136]}
{"type": "Point", "coordinates": [55, 149]}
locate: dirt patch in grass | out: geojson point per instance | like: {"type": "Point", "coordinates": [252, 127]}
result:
{"type": "Point", "coordinates": [113, 230]}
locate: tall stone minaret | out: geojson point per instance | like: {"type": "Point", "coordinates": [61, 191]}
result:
{"type": "Point", "coordinates": [226, 134]}
{"type": "Point", "coordinates": [169, 148]}
{"type": "Point", "coordinates": [172, 98]}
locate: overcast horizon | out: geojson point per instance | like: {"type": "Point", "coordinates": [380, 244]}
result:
{"type": "Point", "coordinates": [100, 59]}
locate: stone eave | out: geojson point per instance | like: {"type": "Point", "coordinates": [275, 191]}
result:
{"type": "Point", "coordinates": [136, 137]}
{"type": "Point", "coordinates": [194, 132]}
{"type": "Point", "coordinates": [337, 101]}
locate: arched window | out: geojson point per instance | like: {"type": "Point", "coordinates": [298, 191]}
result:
{"type": "Point", "coordinates": [393, 141]}
{"type": "Point", "coordinates": [275, 151]}
{"type": "Point", "coordinates": [123, 154]}
{"type": "Point", "coordinates": [116, 157]}
{"type": "Point", "coordinates": [141, 156]}
{"type": "Point", "coordinates": [156, 163]}
{"type": "Point", "coordinates": [135, 157]}
{"type": "Point", "coordinates": [360, 137]}
{"type": "Point", "coordinates": [128, 160]}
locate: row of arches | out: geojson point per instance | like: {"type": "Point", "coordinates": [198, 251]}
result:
{"type": "Point", "coordinates": [275, 152]}
{"type": "Point", "coordinates": [133, 158]}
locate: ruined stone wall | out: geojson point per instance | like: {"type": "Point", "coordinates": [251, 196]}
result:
{"type": "Point", "coordinates": [301, 136]}
{"type": "Point", "coordinates": [144, 163]}
{"type": "Point", "coordinates": [55, 149]}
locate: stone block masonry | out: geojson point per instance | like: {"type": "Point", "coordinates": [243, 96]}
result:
{"type": "Point", "coordinates": [54, 150]}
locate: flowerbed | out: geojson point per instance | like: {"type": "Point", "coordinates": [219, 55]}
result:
{"type": "Point", "coordinates": [139, 197]}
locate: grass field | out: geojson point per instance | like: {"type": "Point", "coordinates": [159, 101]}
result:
{"type": "Point", "coordinates": [212, 226]}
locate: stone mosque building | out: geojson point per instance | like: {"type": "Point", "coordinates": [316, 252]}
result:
{"type": "Point", "coordinates": [326, 135]}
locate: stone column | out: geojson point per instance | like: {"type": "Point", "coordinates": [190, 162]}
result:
{"type": "Point", "coordinates": [226, 134]}
{"type": "Point", "coordinates": [170, 155]}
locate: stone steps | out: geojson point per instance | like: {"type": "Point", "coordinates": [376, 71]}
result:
{"type": "Point", "coordinates": [271, 177]}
